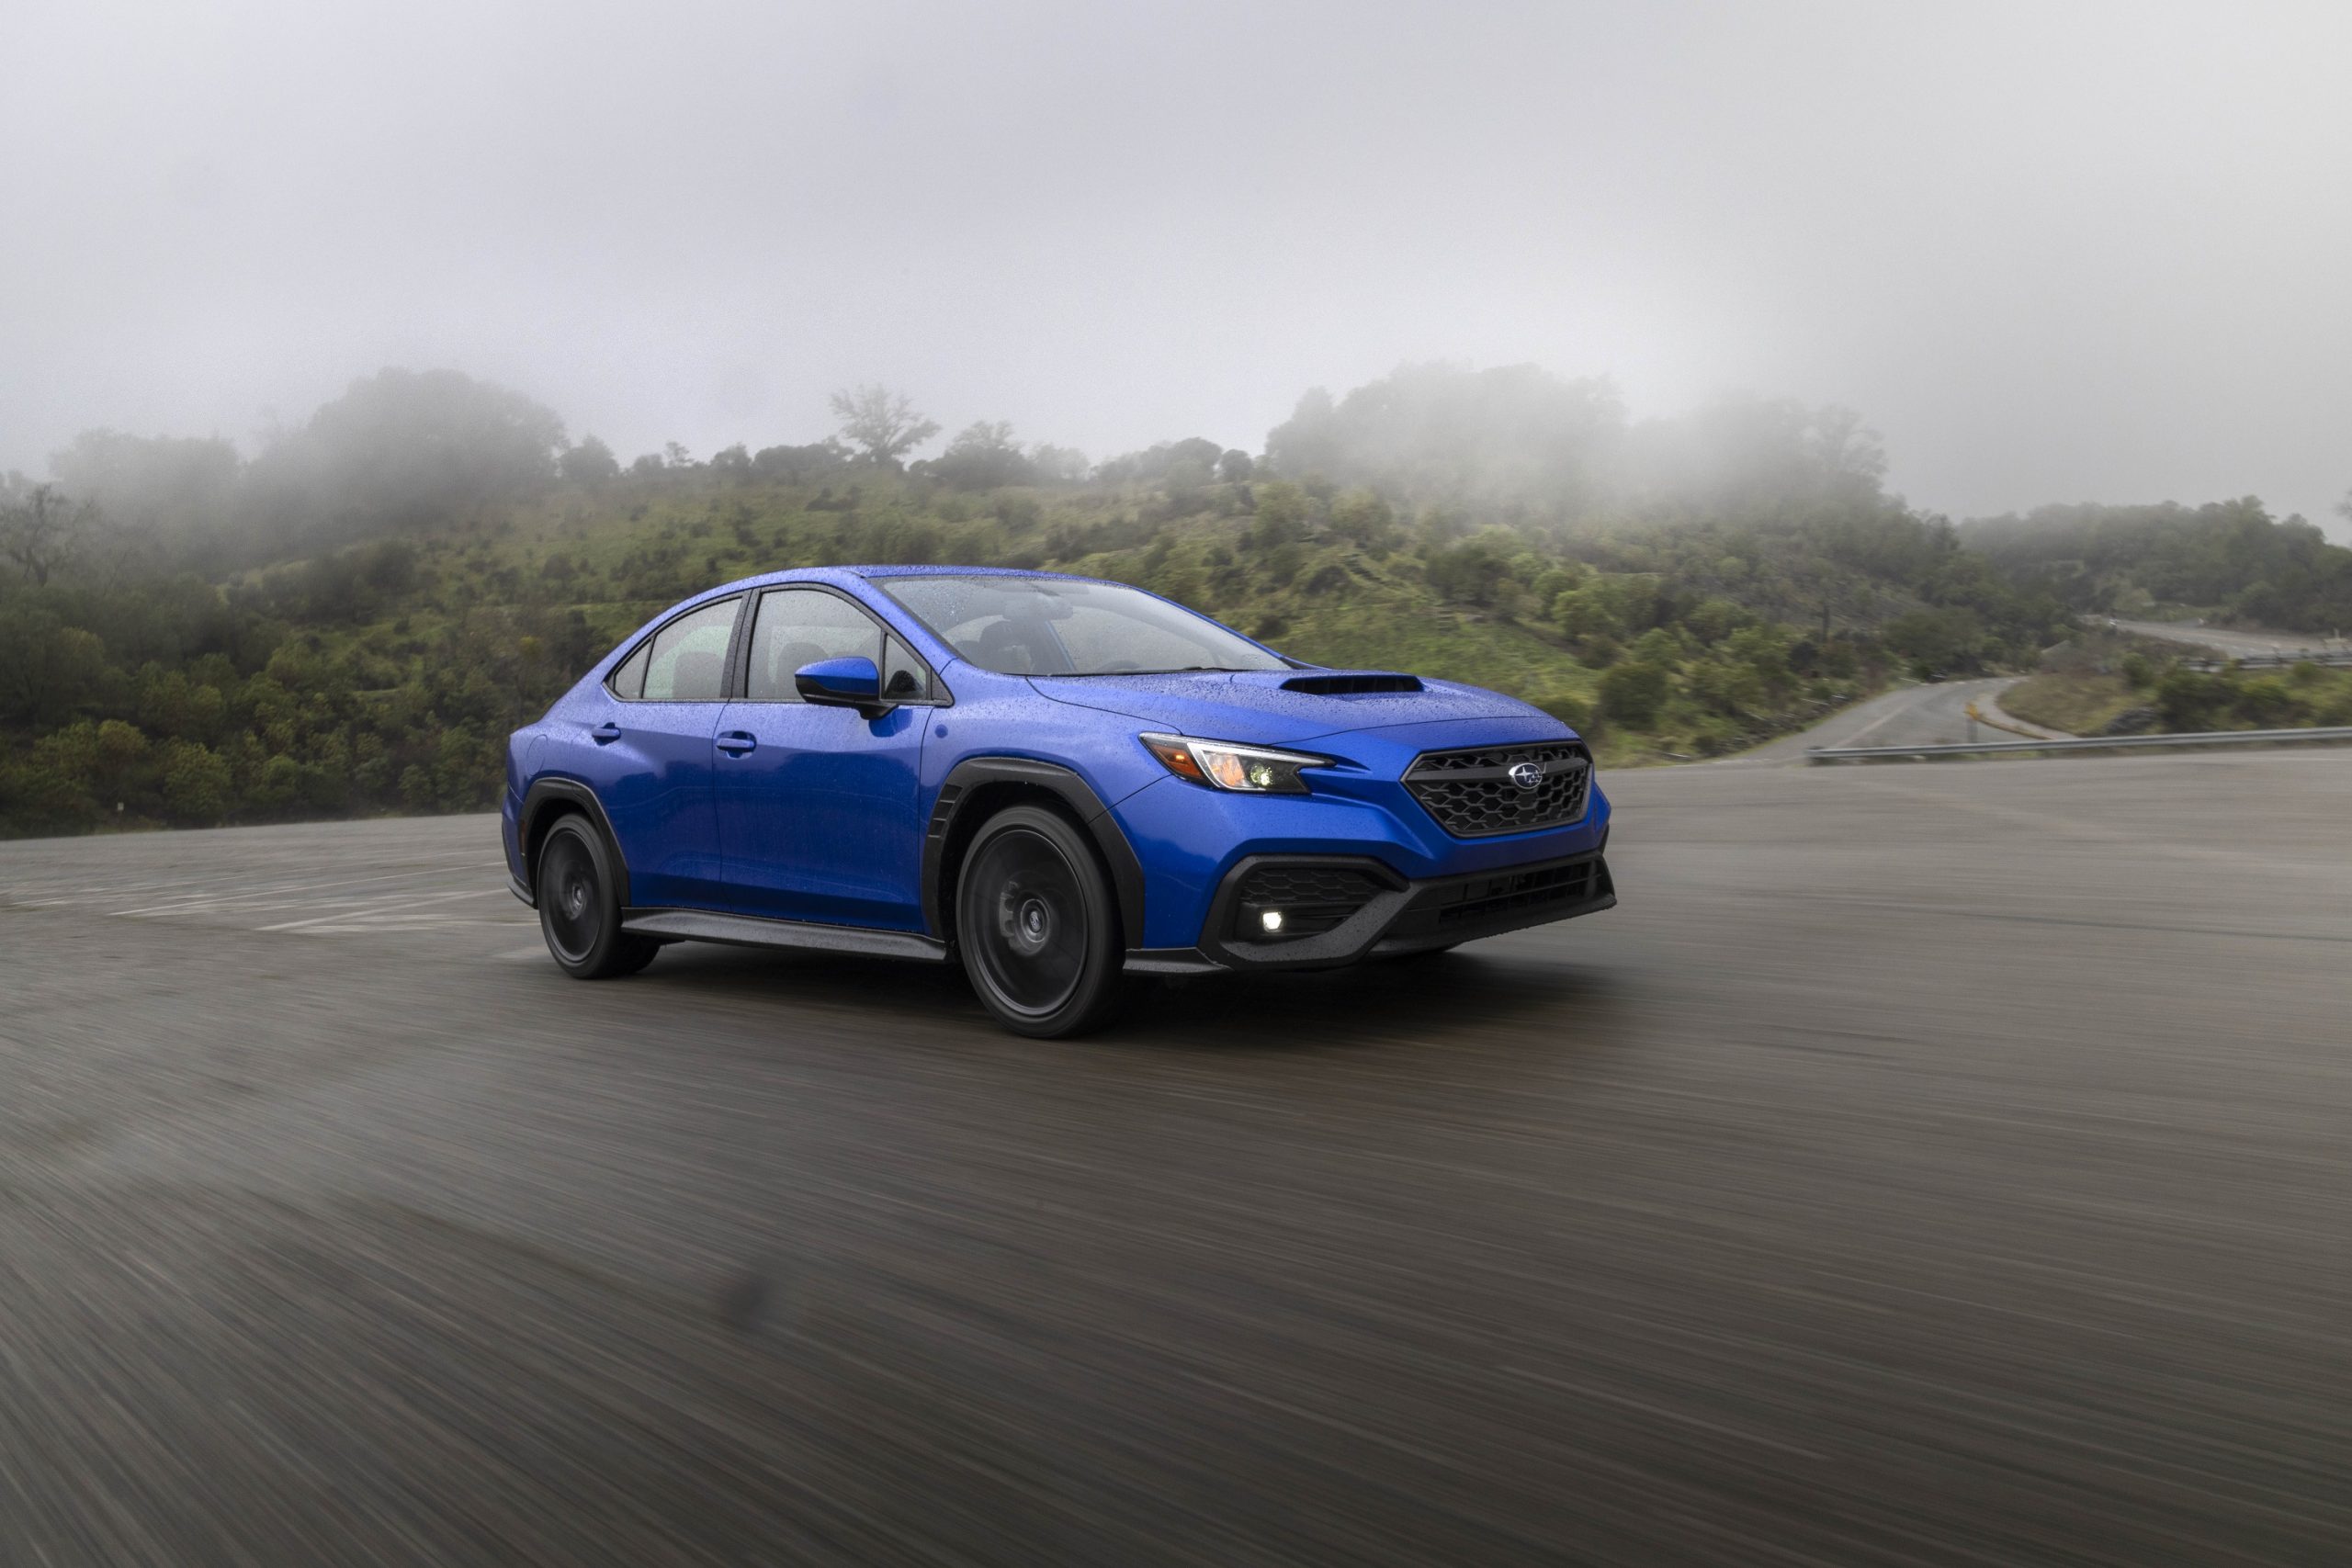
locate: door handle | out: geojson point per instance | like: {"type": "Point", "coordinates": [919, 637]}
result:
{"type": "Point", "coordinates": [735, 742]}
{"type": "Point", "coordinates": [605, 733]}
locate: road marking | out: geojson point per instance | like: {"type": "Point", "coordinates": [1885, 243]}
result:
{"type": "Point", "coordinates": [393, 908]}
{"type": "Point", "coordinates": [269, 889]}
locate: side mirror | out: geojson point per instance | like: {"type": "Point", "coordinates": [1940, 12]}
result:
{"type": "Point", "coordinates": [852, 682]}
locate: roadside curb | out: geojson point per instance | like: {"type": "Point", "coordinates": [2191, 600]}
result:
{"type": "Point", "coordinates": [1988, 710]}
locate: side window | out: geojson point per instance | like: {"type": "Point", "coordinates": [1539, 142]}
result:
{"type": "Point", "coordinates": [797, 627]}
{"type": "Point", "coordinates": [628, 680]}
{"type": "Point", "coordinates": [904, 679]}
{"type": "Point", "coordinates": [688, 663]}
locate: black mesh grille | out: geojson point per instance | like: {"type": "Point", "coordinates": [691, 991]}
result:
{"type": "Point", "coordinates": [1473, 793]}
{"type": "Point", "coordinates": [1509, 894]}
{"type": "Point", "coordinates": [1312, 898]}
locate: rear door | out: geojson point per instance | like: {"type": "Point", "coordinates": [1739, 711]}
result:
{"type": "Point", "coordinates": [817, 805]}
{"type": "Point", "coordinates": [656, 762]}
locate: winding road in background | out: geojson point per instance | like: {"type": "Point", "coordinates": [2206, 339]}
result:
{"type": "Point", "coordinates": [1933, 1165]}
{"type": "Point", "coordinates": [1910, 716]}
{"type": "Point", "coordinates": [2233, 644]}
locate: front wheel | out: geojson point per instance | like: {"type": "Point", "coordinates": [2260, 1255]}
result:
{"type": "Point", "coordinates": [1037, 926]}
{"type": "Point", "coordinates": [580, 909]}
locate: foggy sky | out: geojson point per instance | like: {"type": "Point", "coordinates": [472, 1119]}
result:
{"type": "Point", "coordinates": [2052, 250]}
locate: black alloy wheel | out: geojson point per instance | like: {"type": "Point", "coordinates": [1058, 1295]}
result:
{"type": "Point", "coordinates": [1037, 926]}
{"type": "Point", "coordinates": [580, 911]}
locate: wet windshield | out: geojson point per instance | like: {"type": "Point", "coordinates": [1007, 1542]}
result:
{"type": "Point", "coordinates": [1042, 626]}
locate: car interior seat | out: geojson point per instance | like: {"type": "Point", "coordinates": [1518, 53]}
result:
{"type": "Point", "coordinates": [1013, 648]}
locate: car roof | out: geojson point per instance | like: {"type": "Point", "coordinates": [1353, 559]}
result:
{"type": "Point", "coordinates": [837, 574]}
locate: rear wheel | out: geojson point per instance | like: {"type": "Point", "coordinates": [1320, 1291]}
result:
{"type": "Point", "coordinates": [580, 911]}
{"type": "Point", "coordinates": [1037, 926]}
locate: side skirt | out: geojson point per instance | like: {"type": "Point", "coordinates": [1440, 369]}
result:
{"type": "Point", "coordinates": [750, 930]}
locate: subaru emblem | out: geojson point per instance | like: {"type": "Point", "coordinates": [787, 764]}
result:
{"type": "Point", "coordinates": [1526, 775]}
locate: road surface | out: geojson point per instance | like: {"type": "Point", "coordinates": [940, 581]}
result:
{"type": "Point", "coordinates": [1924, 1165]}
{"type": "Point", "coordinates": [2232, 644]}
{"type": "Point", "coordinates": [1909, 715]}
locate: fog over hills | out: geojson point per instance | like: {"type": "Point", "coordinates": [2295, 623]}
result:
{"type": "Point", "coordinates": [2054, 254]}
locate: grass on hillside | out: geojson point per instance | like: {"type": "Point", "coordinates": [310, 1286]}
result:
{"type": "Point", "coordinates": [2088, 684]}
{"type": "Point", "coordinates": [2082, 703]}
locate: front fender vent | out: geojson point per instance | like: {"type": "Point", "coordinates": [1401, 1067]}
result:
{"type": "Point", "coordinates": [1351, 685]}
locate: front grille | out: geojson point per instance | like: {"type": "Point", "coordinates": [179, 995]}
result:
{"type": "Point", "coordinates": [1312, 898]}
{"type": "Point", "coordinates": [1473, 796]}
{"type": "Point", "coordinates": [1512, 892]}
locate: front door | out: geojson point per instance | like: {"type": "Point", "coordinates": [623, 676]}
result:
{"type": "Point", "coordinates": [817, 805]}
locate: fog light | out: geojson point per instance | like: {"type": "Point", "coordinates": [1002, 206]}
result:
{"type": "Point", "coordinates": [1272, 920]}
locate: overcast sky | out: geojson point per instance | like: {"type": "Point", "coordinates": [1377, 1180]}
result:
{"type": "Point", "coordinates": [2052, 250]}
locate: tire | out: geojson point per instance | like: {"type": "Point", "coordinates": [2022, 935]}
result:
{"type": "Point", "coordinates": [580, 910]}
{"type": "Point", "coordinates": [1037, 926]}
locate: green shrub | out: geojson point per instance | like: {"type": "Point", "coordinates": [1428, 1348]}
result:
{"type": "Point", "coordinates": [1633, 693]}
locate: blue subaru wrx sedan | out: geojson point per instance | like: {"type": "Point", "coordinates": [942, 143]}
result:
{"type": "Point", "coordinates": [1066, 784]}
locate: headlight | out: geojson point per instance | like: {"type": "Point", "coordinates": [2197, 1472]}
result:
{"type": "Point", "coordinates": [1220, 764]}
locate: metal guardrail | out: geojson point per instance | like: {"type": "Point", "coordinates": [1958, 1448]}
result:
{"type": "Point", "coordinates": [2338, 735]}
{"type": "Point", "coordinates": [2326, 659]}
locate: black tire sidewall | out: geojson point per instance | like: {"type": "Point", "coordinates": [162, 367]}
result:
{"type": "Point", "coordinates": [605, 955]}
{"type": "Point", "coordinates": [1098, 987]}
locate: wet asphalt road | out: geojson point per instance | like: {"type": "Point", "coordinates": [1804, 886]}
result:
{"type": "Point", "coordinates": [1908, 716]}
{"type": "Point", "coordinates": [2232, 644]}
{"type": "Point", "coordinates": [1924, 1165]}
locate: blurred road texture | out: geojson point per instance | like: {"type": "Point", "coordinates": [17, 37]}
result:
{"type": "Point", "coordinates": [1928, 1164]}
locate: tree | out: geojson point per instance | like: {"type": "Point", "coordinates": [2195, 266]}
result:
{"type": "Point", "coordinates": [1235, 467]}
{"type": "Point", "coordinates": [1057, 465]}
{"type": "Point", "coordinates": [1633, 693]}
{"type": "Point", "coordinates": [160, 482]}
{"type": "Point", "coordinates": [798, 465]}
{"type": "Point", "coordinates": [48, 669]}
{"type": "Point", "coordinates": [883, 425]}
{"type": "Point", "coordinates": [405, 450]}
{"type": "Point", "coordinates": [982, 456]}
{"type": "Point", "coordinates": [591, 463]}
{"type": "Point", "coordinates": [39, 529]}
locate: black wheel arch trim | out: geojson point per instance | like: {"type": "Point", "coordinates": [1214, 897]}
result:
{"type": "Point", "coordinates": [543, 794]}
{"type": "Point", "coordinates": [971, 773]}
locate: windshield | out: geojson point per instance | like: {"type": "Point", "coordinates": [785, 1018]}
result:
{"type": "Point", "coordinates": [1044, 625]}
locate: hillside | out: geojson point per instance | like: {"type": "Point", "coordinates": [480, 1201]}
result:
{"type": "Point", "coordinates": [2229, 561]}
{"type": "Point", "coordinates": [156, 672]}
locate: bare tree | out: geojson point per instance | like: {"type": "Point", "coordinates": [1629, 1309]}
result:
{"type": "Point", "coordinates": [883, 424]}
{"type": "Point", "coordinates": [39, 529]}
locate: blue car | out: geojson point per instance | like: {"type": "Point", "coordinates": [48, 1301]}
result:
{"type": "Point", "coordinates": [1066, 784]}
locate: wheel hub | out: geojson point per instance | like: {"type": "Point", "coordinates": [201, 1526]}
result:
{"type": "Point", "coordinates": [1032, 926]}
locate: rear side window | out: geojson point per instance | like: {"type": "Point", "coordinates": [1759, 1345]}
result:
{"type": "Point", "coordinates": [628, 680]}
{"type": "Point", "coordinates": [797, 626]}
{"type": "Point", "coordinates": [688, 657]}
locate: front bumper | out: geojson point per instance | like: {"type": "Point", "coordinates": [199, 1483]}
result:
{"type": "Point", "coordinates": [1401, 916]}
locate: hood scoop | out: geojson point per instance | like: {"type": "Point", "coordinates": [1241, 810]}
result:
{"type": "Point", "coordinates": [1359, 683]}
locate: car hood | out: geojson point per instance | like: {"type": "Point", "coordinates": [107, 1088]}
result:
{"type": "Point", "coordinates": [1255, 706]}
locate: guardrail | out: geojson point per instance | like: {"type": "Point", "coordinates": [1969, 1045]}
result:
{"type": "Point", "coordinates": [2339, 735]}
{"type": "Point", "coordinates": [2328, 659]}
